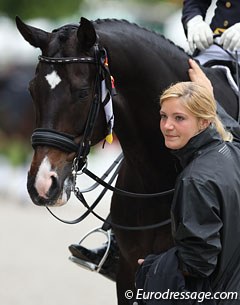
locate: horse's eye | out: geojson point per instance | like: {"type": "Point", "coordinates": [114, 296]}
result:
{"type": "Point", "coordinates": [81, 94]}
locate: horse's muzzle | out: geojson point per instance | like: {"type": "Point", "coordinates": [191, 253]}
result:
{"type": "Point", "coordinates": [56, 195]}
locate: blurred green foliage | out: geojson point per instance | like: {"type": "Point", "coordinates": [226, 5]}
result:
{"type": "Point", "coordinates": [16, 151]}
{"type": "Point", "coordinates": [177, 2]}
{"type": "Point", "coordinates": [37, 8]}
{"type": "Point", "coordinates": [52, 9]}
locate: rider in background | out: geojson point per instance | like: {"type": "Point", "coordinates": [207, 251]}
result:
{"type": "Point", "coordinates": [225, 24]}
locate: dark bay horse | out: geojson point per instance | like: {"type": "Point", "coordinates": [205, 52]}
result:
{"type": "Point", "coordinates": [143, 64]}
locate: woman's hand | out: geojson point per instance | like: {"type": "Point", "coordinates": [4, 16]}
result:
{"type": "Point", "coordinates": [198, 76]}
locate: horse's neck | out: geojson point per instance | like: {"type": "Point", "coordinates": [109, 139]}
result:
{"type": "Point", "coordinates": [142, 69]}
{"type": "Point", "coordinates": [141, 73]}
{"type": "Point", "coordinates": [130, 45]}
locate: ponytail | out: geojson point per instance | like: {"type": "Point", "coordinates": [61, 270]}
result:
{"type": "Point", "coordinates": [224, 134]}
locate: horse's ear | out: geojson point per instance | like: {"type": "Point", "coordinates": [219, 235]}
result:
{"type": "Point", "coordinates": [36, 37]}
{"type": "Point", "coordinates": [86, 34]}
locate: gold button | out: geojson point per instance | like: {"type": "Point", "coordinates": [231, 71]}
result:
{"type": "Point", "coordinates": [228, 4]}
{"type": "Point", "coordinates": [225, 23]}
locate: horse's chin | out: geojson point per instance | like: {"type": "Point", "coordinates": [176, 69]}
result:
{"type": "Point", "coordinates": [62, 200]}
{"type": "Point", "coordinates": [65, 194]}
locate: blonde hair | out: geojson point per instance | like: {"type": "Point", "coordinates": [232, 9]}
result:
{"type": "Point", "coordinates": [199, 101]}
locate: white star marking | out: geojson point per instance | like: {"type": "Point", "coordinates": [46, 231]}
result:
{"type": "Point", "coordinates": [53, 79]}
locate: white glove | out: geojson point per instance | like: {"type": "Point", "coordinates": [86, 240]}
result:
{"type": "Point", "coordinates": [200, 34]}
{"type": "Point", "coordinates": [230, 39]}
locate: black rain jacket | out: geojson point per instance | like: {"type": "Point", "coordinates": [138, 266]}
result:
{"type": "Point", "coordinates": [206, 210]}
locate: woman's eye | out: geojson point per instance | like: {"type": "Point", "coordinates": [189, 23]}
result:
{"type": "Point", "coordinates": [179, 118]}
{"type": "Point", "coordinates": [163, 116]}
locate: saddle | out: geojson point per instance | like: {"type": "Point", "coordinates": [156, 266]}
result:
{"type": "Point", "coordinates": [227, 63]}
{"type": "Point", "coordinates": [231, 69]}
{"type": "Point", "coordinates": [232, 73]}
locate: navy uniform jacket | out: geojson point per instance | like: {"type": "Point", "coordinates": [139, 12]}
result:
{"type": "Point", "coordinates": [226, 14]}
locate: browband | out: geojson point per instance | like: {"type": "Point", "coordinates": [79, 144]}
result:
{"type": "Point", "coordinates": [66, 60]}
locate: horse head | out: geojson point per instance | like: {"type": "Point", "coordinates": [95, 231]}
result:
{"type": "Point", "coordinates": [66, 91]}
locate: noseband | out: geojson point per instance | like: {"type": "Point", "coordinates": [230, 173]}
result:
{"type": "Point", "coordinates": [53, 138]}
{"type": "Point", "coordinates": [64, 141]}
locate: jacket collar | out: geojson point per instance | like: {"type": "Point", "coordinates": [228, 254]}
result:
{"type": "Point", "coordinates": [197, 144]}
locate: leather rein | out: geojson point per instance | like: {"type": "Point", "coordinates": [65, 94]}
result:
{"type": "Point", "coordinates": [65, 142]}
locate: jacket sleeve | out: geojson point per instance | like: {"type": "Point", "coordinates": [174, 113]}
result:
{"type": "Point", "coordinates": [192, 8]}
{"type": "Point", "coordinates": [196, 226]}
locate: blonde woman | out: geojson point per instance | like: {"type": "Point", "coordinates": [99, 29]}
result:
{"type": "Point", "coordinates": [205, 210]}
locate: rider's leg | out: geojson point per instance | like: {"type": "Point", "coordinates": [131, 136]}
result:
{"type": "Point", "coordinates": [109, 268]}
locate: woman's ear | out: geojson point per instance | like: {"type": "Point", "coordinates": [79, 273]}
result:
{"type": "Point", "coordinates": [203, 124]}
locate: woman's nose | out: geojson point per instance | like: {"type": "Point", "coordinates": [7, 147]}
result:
{"type": "Point", "coordinates": [168, 124]}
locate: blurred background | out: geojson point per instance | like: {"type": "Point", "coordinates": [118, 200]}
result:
{"type": "Point", "coordinates": [34, 265]}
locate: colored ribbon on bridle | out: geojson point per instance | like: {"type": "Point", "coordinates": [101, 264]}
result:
{"type": "Point", "coordinates": [107, 93]}
{"type": "Point", "coordinates": [108, 109]}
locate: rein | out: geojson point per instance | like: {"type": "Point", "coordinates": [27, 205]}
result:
{"type": "Point", "coordinates": [107, 186]}
{"type": "Point", "coordinates": [122, 192]}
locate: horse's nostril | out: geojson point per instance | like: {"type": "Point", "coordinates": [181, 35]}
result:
{"type": "Point", "coordinates": [54, 188]}
{"type": "Point", "coordinates": [54, 182]}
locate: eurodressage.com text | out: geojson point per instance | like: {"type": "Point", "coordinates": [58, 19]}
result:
{"type": "Point", "coordinates": [186, 295]}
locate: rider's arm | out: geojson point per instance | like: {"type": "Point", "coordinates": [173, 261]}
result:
{"type": "Point", "coordinates": [198, 32]}
{"type": "Point", "coordinates": [192, 8]}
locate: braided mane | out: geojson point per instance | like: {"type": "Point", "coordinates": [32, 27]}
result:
{"type": "Point", "coordinates": [67, 29]}
{"type": "Point", "coordinates": [137, 27]}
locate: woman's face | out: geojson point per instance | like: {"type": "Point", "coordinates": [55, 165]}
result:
{"type": "Point", "coordinates": [178, 124]}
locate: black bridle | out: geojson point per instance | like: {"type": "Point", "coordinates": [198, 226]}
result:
{"type": "Point", "coordinates": [65, 142]}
